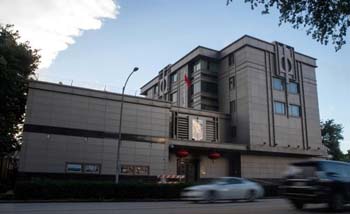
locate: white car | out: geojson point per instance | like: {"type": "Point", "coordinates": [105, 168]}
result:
{"type": "Point", "coordinates": [225, 188]}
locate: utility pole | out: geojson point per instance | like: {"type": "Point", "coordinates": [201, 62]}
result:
{"type": "Point", "coordinates": [120, 128]}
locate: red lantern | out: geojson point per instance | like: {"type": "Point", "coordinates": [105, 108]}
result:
{"type": "Point", "coordinates": [214, 155]}
{"type": "Point", "coordinates": [182, 153]}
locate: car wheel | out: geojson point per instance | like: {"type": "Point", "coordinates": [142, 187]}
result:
{"type": "Point", "coordinates": [298, 204]}
{"type": "Point", "coordinates": [211, 196]}
{"type": "Point", "coordinates": [251, 195]}
{"type": "Point", "coordinates": [336, 202]}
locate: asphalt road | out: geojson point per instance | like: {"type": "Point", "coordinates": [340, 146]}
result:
{"type": "Point", "coordinates": [265, 206]}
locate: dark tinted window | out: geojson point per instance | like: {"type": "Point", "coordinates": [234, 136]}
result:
{"type": "Point", "coordinates": [234, 131]}
{"type": "Point", "coordinates": [303, 170]}
{"type": "Point", "coordinates": [155, 90]}
{"type": "Point", "coordinates": [209, 87]}
{"type": "Point", "coordinates": [338, 169]}
{"type": "Point", "coordinates": [230, 59]}
{"type": "Point", "coordinates": [234, 181]}
{"type": "Point", "coordinates": [173, 78]}
{"type": "Point", "coordinates": [232, 106]}
{"type": "Point", "coordinates": [231, 83]}
{"type": "Point", "coordinates": [209, 108]}
{"type": "Point", "coordinates": [173, 97]}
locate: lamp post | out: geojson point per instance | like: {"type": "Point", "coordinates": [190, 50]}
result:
{"type": "Point", "coordinates": [120, 127]}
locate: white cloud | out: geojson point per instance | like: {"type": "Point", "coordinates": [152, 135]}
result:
{"type": "Point", "coordinates": [52, 25]}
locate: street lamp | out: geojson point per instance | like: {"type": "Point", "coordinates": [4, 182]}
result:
{"type": "Point", "coordinates": [120, 127]}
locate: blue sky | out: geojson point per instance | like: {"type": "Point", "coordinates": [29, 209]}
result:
{"type": "Point", "coordinates": [151, 34]}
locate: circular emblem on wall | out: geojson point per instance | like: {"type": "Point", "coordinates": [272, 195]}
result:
{"type": "Point", "coordinates": [289, 64]}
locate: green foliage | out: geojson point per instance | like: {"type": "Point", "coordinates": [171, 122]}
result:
{"type": "Point", "coordinates": [331, 136]}
{"type": "Point", "coordinates": [324, 20]}
{"type": "Point", "coordinates": [347, 156]}
{"type": "Point", "coordinates": [17, 63]}
{"type": "Point", "coordinates": [96, 190]}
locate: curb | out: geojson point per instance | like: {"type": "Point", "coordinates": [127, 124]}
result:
{"type": "Point", "coordinates": [103, 201]}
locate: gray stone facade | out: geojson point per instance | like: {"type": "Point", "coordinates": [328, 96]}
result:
{"type": "Point", "coordinates": [239, 80]}
{"type": "Point", "coordinates": [232, 105]}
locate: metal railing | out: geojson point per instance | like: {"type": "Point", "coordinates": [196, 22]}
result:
{"type": "Point", "coordinates": [117, 88]}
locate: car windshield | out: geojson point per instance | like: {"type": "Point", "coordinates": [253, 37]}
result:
{"type": "Point", "coordinates": [335, 168]}
{"type": "Point", "coordinates": [303, 170]}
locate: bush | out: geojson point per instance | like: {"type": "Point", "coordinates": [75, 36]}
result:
{"type": "Point", "coordinates": [49, 189]}
{"type": "Point", "coordinates": [4, 187]}
{"type": "Point", "coordinates": [271, 190]}
{"type": "Point", "coordinates": [95, 190]}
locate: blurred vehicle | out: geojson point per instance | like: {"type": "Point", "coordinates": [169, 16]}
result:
{"type": "Point", "coordinates": [225, 188]}
{"type": "Point", "coordinates": [318, 182]}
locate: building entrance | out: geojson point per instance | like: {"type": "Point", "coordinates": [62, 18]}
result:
{"type": "Point", "coordinates": [189, 168]}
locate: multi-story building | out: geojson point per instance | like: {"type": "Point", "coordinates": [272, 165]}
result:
{"type": "Point", "coordinates": [252, 105]}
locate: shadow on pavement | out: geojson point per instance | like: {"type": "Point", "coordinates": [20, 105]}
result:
{"type": "Point", "coordinates": [226, 202]}
{"type": "Point", "coordinates": [324, 210]}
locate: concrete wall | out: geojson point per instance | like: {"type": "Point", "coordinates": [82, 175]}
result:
{"type": "Point", "coordinates": [44, 153]}
{"type": "Point", "coordinates": [311, 111]}
{"type": "Point", "coordinates": [269, 131]}
{"type": "Point", "coordinates": [72, 125]}
{"type": "Point", "coordinates": [256, 63]}
{"type": "Point", "coordinates": [83, 112]}
{"type": "Point", "coordinates": [258, 166]}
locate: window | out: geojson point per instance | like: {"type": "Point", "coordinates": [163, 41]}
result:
{"type": "Point", "coordinates": [173, 97]}
{"type": "Point", "coordinates": [279, 108]}
{"type": "Point", "coordinates": [141, 170]}
{"type": "Point", "coordinates": [234, 131]}
{"type": "Point", "coordinates": [196, 87]}
{"type": "Point", "coordinates": [232, 106]}
{"type": "Point", "coordinates": [208, 65]}
{"type": "Point", "coordinates": [155, 90]}
{"type": "Point", "coordinates": [278, 84]}
{"type": "Point", "coordinates": [83, 168]}
{"type": "Point", "coordinates": [74, 167]}
{"type": "Point", "coordinates": [234, 181]}
{"type": "Point", "coordinates": [340, 170]}
{"type": "Point", "coordinates": [92, 168]}
{"type": "Point", "coordinates": [293, 88]}
{"type": "Point", "coordinates": [134, 170]}
{"type": "Point", "coordinates": [209, 87]}
{"type": "Point", "coordinates": [173, 78]}
{"type": "Point", "coordinates": [230, 59]}
{"type": "Point", "coordinates": [197, 66]}
{"type": "Point", "coordinates": [127, 170]}
{"type": "Point", "coordinates": [231, 82]}
{"type": "Point", "coordinates": [208, 107]}
{"type": "Point", "coordinates": [294, 110]}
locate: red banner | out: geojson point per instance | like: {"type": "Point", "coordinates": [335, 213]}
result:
{"type": "Point", "coordinates": [188, 81]}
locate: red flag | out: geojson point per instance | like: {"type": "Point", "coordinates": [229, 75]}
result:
{"type": "Point", "coordinates": [188, 81]}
